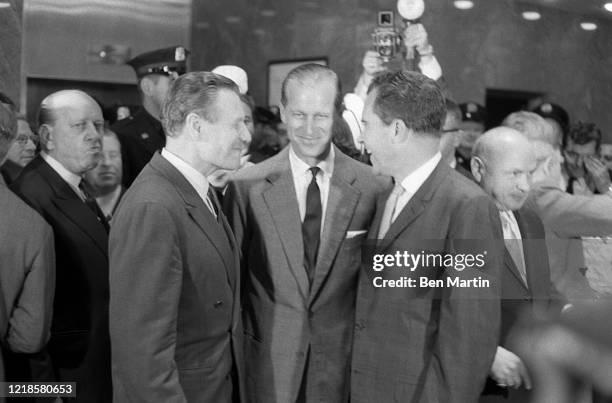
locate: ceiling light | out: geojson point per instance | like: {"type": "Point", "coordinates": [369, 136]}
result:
{"type": "Point", "coordinates": [463, 4]}
{"type": "Point", "coordinates": [531, 15]}
{"type": "Point", "coordinates": [608, 6]}
{"type": "Point", "coordinates": [232, 19]}
{"type": "Point", "coordinates": [267, 12]}
{"type": "Point", "coordinates": [4, 4]}
{"type": "Point", "coordinates": [588, 26]}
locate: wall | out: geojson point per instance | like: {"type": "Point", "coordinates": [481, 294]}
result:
{"type": "Point", "coordinates": [10, 49]}
{"type": "Point", "coordinates": [490, 46]}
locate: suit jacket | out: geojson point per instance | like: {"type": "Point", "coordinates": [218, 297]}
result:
{"type": "Point", "coordinates": [79, 345]}
{"type": "Point", "coordinates": [10, 171]}
{"type": "Point", "coordinates": [518, 298]}
{"type": "Point", "coordinates": [286, 318]}
{"type": "Point", "coordinates": [175, 309]}
{"type": "Point", "coordinates": [566, 218]}
{"type": "Point", "coordinates": [140, 136]}
{"type": "Point", "coordinates": [428, 344]}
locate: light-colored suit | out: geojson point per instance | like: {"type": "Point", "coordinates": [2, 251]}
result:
{"type": "Point", "coordinates": [286, 318]}
{"type": "Point", "coordinates": [27, 275]}
{"type": "Point", "coordinates": [176, 333]}
{"type": "Point", "coordinates": [425, 344]}
{"type": "Point", "coordinates": [566, 218]}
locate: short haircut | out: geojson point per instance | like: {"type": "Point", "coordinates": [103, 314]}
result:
{"type": "Point", "coordinates": [411, 97]}
{"type": "Point", "coordinates": [532, 125]}
{"type": "Point", "coordinates": [583, 133]}
{"type": "Point", "coordinates": [8, 130]}
{"type": "Point", "coordinates": [311, 72]}
{"type": "Point", "coordinates": [194, 92]}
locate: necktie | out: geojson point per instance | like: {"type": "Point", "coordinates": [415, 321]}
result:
{"type": "Point", "coordinates": [311, 227]}
{"type": "Point", "coordinates": [514, 245]}
{"type": "Point", "coordinates": [93, 206]}
{"type": "Point", "coordinates": [210, 202]}
{"type": "Point", "coordinates": [389, 211]}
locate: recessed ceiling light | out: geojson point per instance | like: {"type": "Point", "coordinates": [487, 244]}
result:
{"type": "Point", "coordinates": [608, 6]}
{"type": "Point", "coordinates": [232, 19]}
{"type": "Point", "coordinates": [588, 26]}
{"type": "Point", "coordinates": [266, 12]}
{"type": "Point", "coordinates": [531, 15]}
{"type": "Point", "coordinates": [202, 25]}
{"type": "Point", "coordinates": [463, 4]}
{"type": "Point", "coordinates": [4, 4]}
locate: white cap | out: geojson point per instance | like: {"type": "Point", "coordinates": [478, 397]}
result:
{"type": "Point", "coordinates": [236, 74]}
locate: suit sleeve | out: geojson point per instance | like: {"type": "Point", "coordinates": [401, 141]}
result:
{"type": "Point", "coordinates": [574, 215]}
{"type": "Point", "coordinates": [30, 319]}
{"type": "Point", "coordinates": [469, 322]}
{"type": "Point", "coordinates": [145, 286]}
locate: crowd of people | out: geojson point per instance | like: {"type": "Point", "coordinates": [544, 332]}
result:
{"type": "Point", "coordinates": [166, 259]}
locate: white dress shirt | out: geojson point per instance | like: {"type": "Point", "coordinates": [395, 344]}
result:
{"type": "Point", "coordinates": [414, 181]}
{"type": "Point", "coordinates": [195, 178]}
{"type": "Point", "coordinates": [302, 177]}
{"type": "Point", "coordinates": [72, 179]}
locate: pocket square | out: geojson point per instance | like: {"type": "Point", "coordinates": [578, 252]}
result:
{"type": "Point", "coordinates": [353, 234]}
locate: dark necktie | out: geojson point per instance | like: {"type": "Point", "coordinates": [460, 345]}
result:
{"type": "Point", "coordinates": [93, 206]}
{"type": "Point", "coordinates": [311, 227]}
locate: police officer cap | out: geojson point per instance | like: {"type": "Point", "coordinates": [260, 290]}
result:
{"type": "Point", "coordinates": [555, 112]}
{"type": "Point", "coordinates": [168, 61]}
{"type": "Point", "coordinates": [472, 112]}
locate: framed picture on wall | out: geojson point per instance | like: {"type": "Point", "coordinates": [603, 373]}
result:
{"type": "Point", "coordinates": [278, 70]}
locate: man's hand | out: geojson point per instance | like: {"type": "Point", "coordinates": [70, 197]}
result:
{"type": "Point", "coordinates": [580, 187]}
{"type": "Point", "coordinates": [508, 370]}
{"type": "Point", "coordinates": [415, 36]}
{"type": "Point", "coordinates": [372, 63]}
{"type": "Point", "coordinates": [599, 173]}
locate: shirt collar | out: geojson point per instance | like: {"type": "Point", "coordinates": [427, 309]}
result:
{"type": "Point", "coordinates": [72, 178]}
{"type": "Point", "coordinates": [299, 167]}
{"type": "Point", "coordinates": [195, 178]}
{"type": "Point", "coordinates": [415, 180]}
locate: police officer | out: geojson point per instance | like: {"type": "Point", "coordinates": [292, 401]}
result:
{"type": "Point", "coordinates": [141, 135]}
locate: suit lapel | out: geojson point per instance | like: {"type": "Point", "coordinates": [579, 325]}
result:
{"type": "Point", "coordinates": [75, 210]}
{"type": "Point", "coordinates": [341, 203]}
{"type": "Point", "coordinates": [200, 214]}
{"type": "Point", "coordinates": [511, 266]}
{"type": "Point", "coordinates": [283, 208]}
{"type": "Point", "coordinates": [415, 206]}
{"type": "Point", "coordinates": [530, 252]}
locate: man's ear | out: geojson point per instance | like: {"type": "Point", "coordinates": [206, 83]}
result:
{"type": "Point", "coordinates": [399, 131]}
{"type": "Point", "coordinates": [47, 137]}
{"type": "Point", "coordinates": [146, 85]}
{"type": "Point", "coordinates": [478, 168]}
{"type": "Point", "coordinates": [283, 112]}
{"type": "Point", "coordinates": [193, 124]}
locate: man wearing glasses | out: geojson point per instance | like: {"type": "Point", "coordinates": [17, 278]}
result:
{"type": "Point", "coordinates": [21, 152]}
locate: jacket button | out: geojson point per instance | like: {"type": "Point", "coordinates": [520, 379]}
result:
{"type": "Point", "coordinates": [217, 304]}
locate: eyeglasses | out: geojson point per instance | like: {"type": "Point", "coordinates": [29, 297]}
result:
{"type": "Point", "coordinates": [22, 139]}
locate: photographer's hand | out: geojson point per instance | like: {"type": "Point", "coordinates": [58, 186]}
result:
{"type": "Point", "coordinates": [599, 173]}
{"type": "Point", "coordinates": [508, 370]}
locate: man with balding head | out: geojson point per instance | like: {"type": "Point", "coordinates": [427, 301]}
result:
{"type": "Point", "coordinates": [71, 132]}
{"type": "Point", "coordinates": [503, 162]}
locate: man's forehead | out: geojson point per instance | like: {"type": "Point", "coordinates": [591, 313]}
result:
{"type": "Point", "coordinates": [317, 84]}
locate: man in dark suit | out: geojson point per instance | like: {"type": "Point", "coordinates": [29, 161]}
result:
{"type": "Point", "coordinates": [299, 218]}
{"type": "Point", "coordinates": [27, 266]}
{"type": "Point", "coordinates": [433, 339]}
{"type": "Point", "coordinates": [70, 131]}
{"type": "Point", "coordinates": [503, 161]}
{"type": "Point", "coordinates": [141, 135]}
{"type": "Point", "coordinates": [175, 308]}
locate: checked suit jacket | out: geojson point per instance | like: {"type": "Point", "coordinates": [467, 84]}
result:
{"type": "Point", "coordinates": [286, 318]}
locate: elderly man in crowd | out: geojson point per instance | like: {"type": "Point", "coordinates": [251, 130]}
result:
{"type": "Point", "coordinates": [71, 126]}
{"type": "Point", "coordinates": [21, 152]}
{"type": "Point", "coordinates": [299, 218]}
{"type": "Point", "coordinates": [175, 282]}
{"type": "Point", "coordinates": [104, 181]}
{"type": "Point", "coordinates": [27, 271]}
{"type": "Point", "coordinates": [566, 217]}
{"type": "Point", "coordinates": [503, 162]}
{"type": "Point", "coordinates": [423, 344]}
